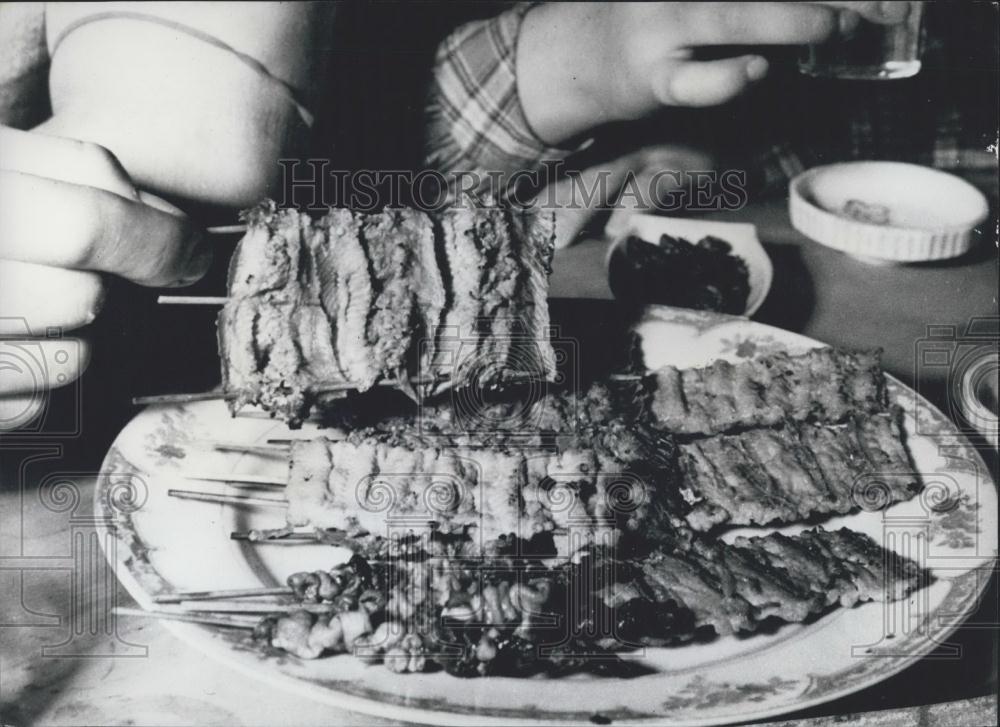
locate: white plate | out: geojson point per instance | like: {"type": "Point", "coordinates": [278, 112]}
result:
{"type": "Point", "coordinates": [741, 236]}
{"type": "Point", "coordinates": [166, 544]}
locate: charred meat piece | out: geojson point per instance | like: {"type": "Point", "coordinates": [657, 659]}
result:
{"type": "Point", "coordinates": [267, 258]}
{"type": "Point", "coordinates": [276, 354]}
{"type": "Point", "coordinates": [459, 334]}
{"type": "Point", "coordinates": [571, 499]}
{"type": "Point", "coordinates": [733, 588]}
{"type": "Point", "coordinates": [512, 617]}
{"type": "Point", "coordinates": [790, 474]}
{"type": "Point", "coordinates": [388, 297]}
{"type": "Point", "coordinates": [496, 319]}
{"type": "Point", "coordinates": [392, 240]}
{"type": "Point", "coordinates": [823, 385]}
{"type": "Point", "coordinates": [581, 484]}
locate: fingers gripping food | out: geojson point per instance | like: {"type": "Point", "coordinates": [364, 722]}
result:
{"type": "Point", "coordinates": [351, 299]}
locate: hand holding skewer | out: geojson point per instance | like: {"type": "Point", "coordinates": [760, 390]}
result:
{"type": "Point", "coordinates": [96, 221]}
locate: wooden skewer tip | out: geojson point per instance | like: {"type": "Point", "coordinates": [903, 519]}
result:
{"type": "Point", "coordinates": [238, 479]}
{"type": "Point", "coordinates": [226, 229]}
{"type": "Point", "coordinates": [222, 594]}
{"type": "Point", "coordinates": [266, 450]}
{"type": "Point", "coordinates": [192, 300]}
{"type": "Point", "coordinates": [234, 621]}
{"type": "Point", "coordinates": [178, 398]}
{"type": "Point", "coordinates": [227, 499]}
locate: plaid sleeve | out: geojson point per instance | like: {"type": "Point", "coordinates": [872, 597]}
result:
{"type": "Point", "coordinates": [474, 115]}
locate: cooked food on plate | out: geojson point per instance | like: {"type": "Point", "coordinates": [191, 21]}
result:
{"type": "Point", "coordinates": [479, 495]}
{"type": "Point", "coordinates": [824, 385]}
{"type": "Point", "coordinates": [795, 472]}
{"type": "Point", "coordinates": [318, 306]}
{"type": "Point", "coordinates": [706, 275]}
{"type": "Point", "coordinates": [520, 618]}
{"type": "Point", "coordinates": [503, 482]}
{"type": "Point", "coordinates": [516, 533]}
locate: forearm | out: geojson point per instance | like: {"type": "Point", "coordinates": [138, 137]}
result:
{"type": "Point", "coordinates": [223, 157]}
{"type": "Point", "coordinates": [186, 117]}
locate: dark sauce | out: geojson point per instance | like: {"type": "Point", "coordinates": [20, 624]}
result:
{"type": "Point", "coordinates": [704, 276]}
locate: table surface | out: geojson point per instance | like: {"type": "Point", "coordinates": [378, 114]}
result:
{"type": "Point", "coordinates": [58, 665]}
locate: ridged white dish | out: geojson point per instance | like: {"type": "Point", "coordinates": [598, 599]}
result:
{"type": "Point", "coordinates": [932, 214]}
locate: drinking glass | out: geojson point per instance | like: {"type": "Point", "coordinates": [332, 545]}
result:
{"type": "Point", "coordinates": [871, 51]}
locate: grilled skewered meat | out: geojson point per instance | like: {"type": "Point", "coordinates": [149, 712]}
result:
{"type": "Point", "coordinates": [515, 479]}
{"type": "Point", "coordinates": [354, 298]}
{"type": "Point", "coordinates": [822, 385]}
{"type": "Point", "coordinates": [502, 616]}
{"type": "Point", "coordinates": [584, 491]}
{"type": "Point", "coordinates": [789, 474]}
{"type": "Point", "coordinates": [733, 588]}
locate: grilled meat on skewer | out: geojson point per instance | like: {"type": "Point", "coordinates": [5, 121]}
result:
{"type": "Point", "coordinates": [823, 385]}
{"type": "Point", "coordinates": [504, 616]}
{"type": "Point", "coordinates": [582, 493]}
{"type": "Point", "coordinates": [786, 475]}
{"type": "Point", "coordinates": [382, 296]}
{"type": "Point", "coordinates": [510, 472]}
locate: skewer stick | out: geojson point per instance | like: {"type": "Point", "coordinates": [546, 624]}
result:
{"type": "Point", "coordinates": [253, 414]}
{"type": "Point", "coordinates": [284, 536]}
{"type": "Point", "coordinates": [626, 377]}
{"type": "Point", "coordinates": [248, 608]}
{"type": "Point", "coordinates": [235, 479]}
{"type": "Point", "coordinates": [234, 622]}
{"type": "Point", "coordinates": [179, 398]}
{"type": "Point", "coordinates": [192, 300]}
{"type": "Point", "coordinates": [179, 596]}
{"type": "Point", "coordinates": [227, 499]}
{"type": "Point", "coordinates": [226, 229]}
{"type": "Point", "coordinates": [264, 450]}
{"type": "Point", "coordinates": [254, 536]}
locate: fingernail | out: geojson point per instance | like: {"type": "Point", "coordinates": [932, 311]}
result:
{"type": "Point", "coordinates": [161, 204]}
{"type": "Point", "coordinates": [847, 21]}
{"type": "Point", "coordinates": [199, 264]}
{"type": "Point", "coordinates": [894, 11]}
{"type": "Point", "coordinates": [756, 68]}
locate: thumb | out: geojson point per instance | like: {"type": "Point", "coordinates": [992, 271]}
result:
{"type": "Point", "coordinates": [707, 83]}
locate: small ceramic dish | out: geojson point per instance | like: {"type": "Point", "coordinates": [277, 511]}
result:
{"type": "Point", "coordinates": [741, 237]}
{"type": "Point", "coordinates": [887, 212]}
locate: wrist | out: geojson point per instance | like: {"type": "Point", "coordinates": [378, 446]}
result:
{"type": "Point", "coordinates": [563, 81]}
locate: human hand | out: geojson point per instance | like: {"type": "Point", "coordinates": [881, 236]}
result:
{"type": "Point", "coordinates": [580, 65]}
{"type": "Point", "coordinates": [70, 213]}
